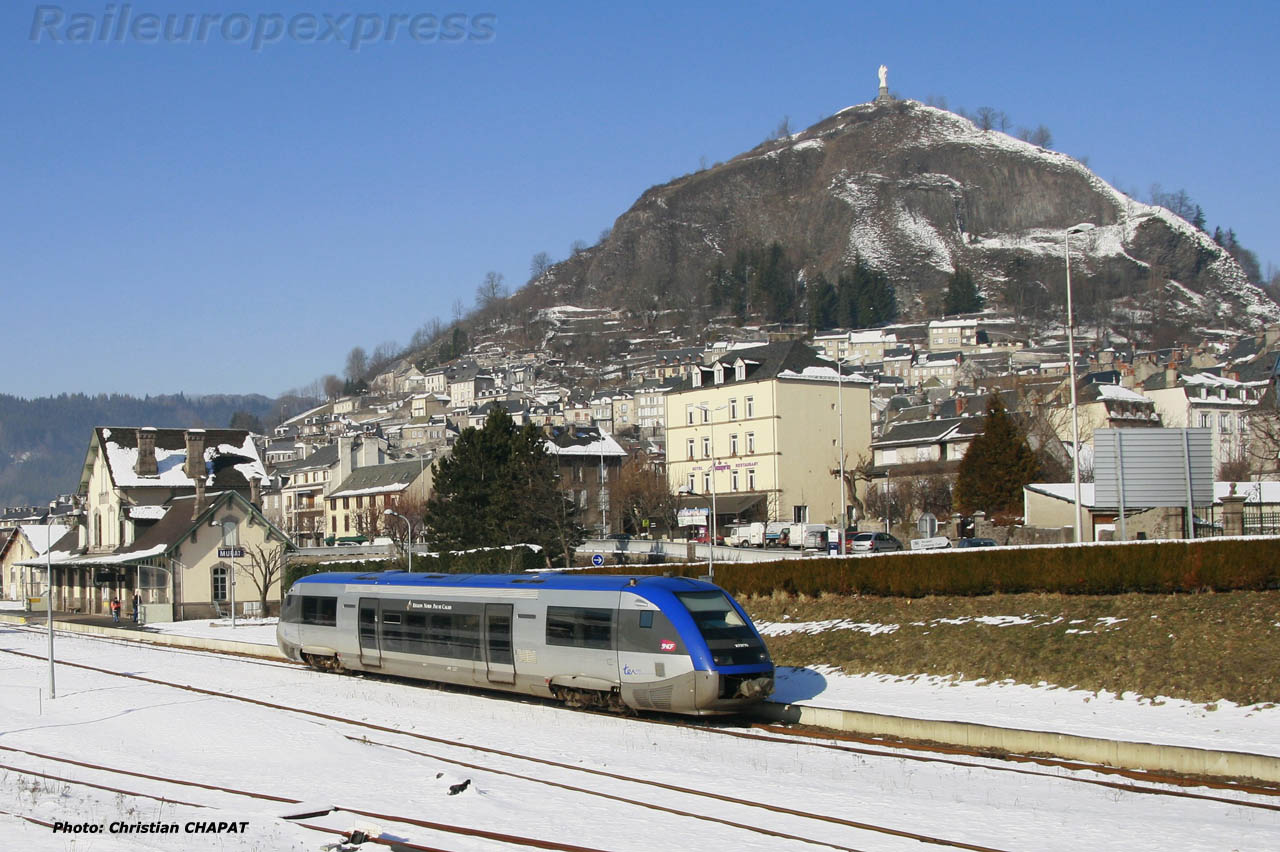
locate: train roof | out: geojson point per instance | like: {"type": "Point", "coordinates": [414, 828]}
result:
{"type": "Point", "coordinates": [548, 580]}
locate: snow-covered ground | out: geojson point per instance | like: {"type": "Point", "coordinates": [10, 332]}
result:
{"type": "Point", "coordinates": [1168, 721]}
{"type": "Point", "coordinates": [158, 730]}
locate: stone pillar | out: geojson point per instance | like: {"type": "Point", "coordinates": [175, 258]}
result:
{"type": "Point", "coordinates": [1233, 515]}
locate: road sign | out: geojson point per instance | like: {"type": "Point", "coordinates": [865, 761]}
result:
{"type": "Point", "coordinates": [230, 552]}
{"type": "Point", "coordinates": [597, 560]}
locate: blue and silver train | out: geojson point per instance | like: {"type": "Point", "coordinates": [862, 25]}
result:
{"type": "Point", "coordinates": [645, 643]}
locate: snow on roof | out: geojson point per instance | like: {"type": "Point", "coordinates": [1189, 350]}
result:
{"type": "Point", "coordinates": [42, 536]}
{"type": "Point", "coordinates": [1211, 380]}
{"type": "Point", "coordinates": [123, 462]}
{"type": "Point", "coordinates": [379, 489]}
{"type": "Point", "coordinates": [823, 374]}
{"type": "Point", "coordinates": [148, 513]}
{"type": "Point", "coordinates": [1118, 393]}
{"type": "Point", "coordinates": [604, 446]}
{"type": "Point", "coordinates": [1253, 492]}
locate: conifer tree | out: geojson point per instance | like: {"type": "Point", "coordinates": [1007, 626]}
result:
{"type": "Point", "coordinates": [962, 293]}
{"type": "Point", "coordinates": [500, 487]}
{"type": "Point", "coordinates": [997, 465]}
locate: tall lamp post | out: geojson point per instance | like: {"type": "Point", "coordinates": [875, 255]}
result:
{"type": "Point", "coordinates": [48, 567]}
{"type": "Point", "coordinates": [1083, 227]}
{"type": "Point", "coordinates": [711, 527]}
{"type": "Point", "coordinates": [408, 540]}
{"type": "Point", "coordinates": [844, 495]}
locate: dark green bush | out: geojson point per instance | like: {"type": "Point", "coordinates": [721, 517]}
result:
{"type": "Point", "coordinates": [1097, 569]}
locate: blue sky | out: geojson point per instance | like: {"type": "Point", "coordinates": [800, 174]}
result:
{"type": "Point", "coordinates": [206, 218]}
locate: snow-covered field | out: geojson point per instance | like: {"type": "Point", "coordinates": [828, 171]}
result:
{"type": "Point", "coordinates": [158, 730]}
{"type": "Point", "coordinates": [1168, 721]}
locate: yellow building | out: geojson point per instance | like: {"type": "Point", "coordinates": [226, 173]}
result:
{"type": "Point", "coordinates": [768, 419]}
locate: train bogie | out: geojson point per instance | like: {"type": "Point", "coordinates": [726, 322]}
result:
{"type": "Point", "coordinates": [642, 643]}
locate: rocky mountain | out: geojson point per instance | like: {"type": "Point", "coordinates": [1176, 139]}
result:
{"type": "Point", "coordinates": [915, 192]}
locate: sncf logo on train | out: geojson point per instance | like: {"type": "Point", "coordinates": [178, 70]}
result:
{"type": "Point", "coordinates": [666, 645]}
{"type": "Point", "coordinates": [429, 605]}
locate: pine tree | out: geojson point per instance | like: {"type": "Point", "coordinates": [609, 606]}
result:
{"type": "Point", "coordinates": [500, 487]}
{"type": "Point", "coordinates": [997, 465]}
{"type": "Point", "coordinates": [962, 293]}
{"type": "Point", "coordinates": [823, 304]}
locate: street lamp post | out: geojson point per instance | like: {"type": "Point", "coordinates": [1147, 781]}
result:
{"type": "Point", "coordinates": [408, 541]}
{"type": "Point", "coordinates": [1071, 369]}
{"type": "Point", "coordinates": [844, 510]}
{"type": "Point", "coordinates": [48, 567]}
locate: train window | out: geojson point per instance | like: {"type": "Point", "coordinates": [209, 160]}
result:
{"type": "Point", "coordinates": [715, 616]}
{"type": "Point", "coordinates": [455, 635]}
{"type": "Point", "coordinates": [291, 611]}
{"type": "Point", "coordinates": [318, 610]}
{"type": "Point", "coordinates": [646, 619]}
{"type": "Point", "coordinates": [580, 627]}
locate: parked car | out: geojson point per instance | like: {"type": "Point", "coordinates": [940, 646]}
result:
{"type": "Point", "coordinates": [977, 542]}
{"type": "Point", "coordinates": [874, 542]}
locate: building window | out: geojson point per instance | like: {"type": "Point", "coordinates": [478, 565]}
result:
{"type": "Point", "coordinates": [733, 444]}
{"type": "Point", "coordinates": [346, 523]}
{"type": "Point", "coordinates": [706, 413]}
{"type": "Point", "coordinates": [346, 502]}
{"type": "Point", "coordinates": [1205, 421]}
{"type": "Point", "coordinates": [359, 502]}
{"type": "Point", "coordinates": [690, 483]}
{"type": "Point", "coordinates": [733, 480]}
{"type": "Point", "coordinates": [751, 406]}
{"type": "Point", "coordinates": [689, 445]}
{"type": "Point", "coordinates": [706, 483]}
{"type": "Point", "coordinates": [706, 447]}
{"type": "Point", "coordinates": [733, 409]}
{"type": "Point", "coordinates": [751, 442]}
{"type": "Point", "coordinates": [333, 524]}
{"type": "Point", "coordinates": [688, 415]}
{"type": "Point", "coordinates": [1222, 422]}
{"type": "Point", "coordinates": [751, 479]}
{"type": "Point", "coordinates": [800, 514]}
{"type": "Point", "coordinates": [230, 533]}
{"type": "Point", "coordinates": [219, 582]}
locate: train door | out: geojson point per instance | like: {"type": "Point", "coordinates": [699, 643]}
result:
{"type": "Point", "coordinates": [370, 651]}
{"type": "Point", "coordinates": [497, 643]}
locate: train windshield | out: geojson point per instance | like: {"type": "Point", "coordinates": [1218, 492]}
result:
{"type": "Point", "coordinates": [715, 616]}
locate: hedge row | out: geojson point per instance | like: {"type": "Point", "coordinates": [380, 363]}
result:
{"type": "Point", "coordinates": [492, 560]}
{"type": "Point", "coordinates": [1098, 569]}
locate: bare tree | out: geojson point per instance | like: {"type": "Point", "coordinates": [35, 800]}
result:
{"type": "Point", "coordinates": [266, 567]}
{"type": "Point", "coordinates": [783, 129]}
{"type": "Point", "coordinates": [578, 247]}
{"type": "Point", "coordinates": [357, 364]}
{"type": "Point", "coordinates": [641, 494]}
{"type": "Point", "coordinates": [490, 290]}
{"type": "Point", "coordinates": [986, 117]}
{"type": "Point", "coordinates": [1041, 137]}
{"type": "Point", "coordinates": [539, 265]}
{"type": "Point", "coordinates": [936, 101]}
{"type": "Point", "coordinates": [332, 386]}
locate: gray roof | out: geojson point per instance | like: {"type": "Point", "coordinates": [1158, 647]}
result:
{"type": "Point", "coordinates": [381, 477]}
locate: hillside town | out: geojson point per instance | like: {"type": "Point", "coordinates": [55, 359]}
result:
{"type": "Point", "coordinates": [760, 427]}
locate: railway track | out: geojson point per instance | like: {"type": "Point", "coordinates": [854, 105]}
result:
{"type": "Point", "coordinates": [1144, 783]}
{"type": "Point", "coordinates": [395, 821]}
{"type": "Point", "coordinates": [364, 728]}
